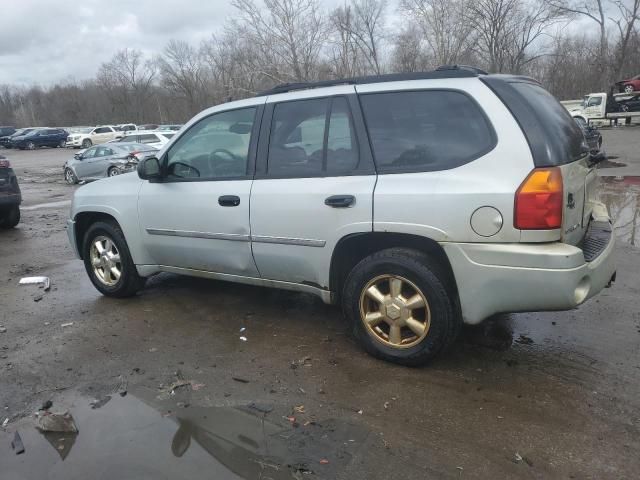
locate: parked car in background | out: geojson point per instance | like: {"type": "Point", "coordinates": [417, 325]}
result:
{"type": "Point", "coordinates": [148, 126]}
{"type": "Point", "coordinates": [106, 160]}
{"type": "Point", "coordinates": [629, 104]}
{"type": "Point", "coordinates": [89, 136]}
{"type": "Point", "coordinates": [592, 136]}
{"type": "Point", "coordinates": [169, 127]}
{"type": "Point", "coordinates": [155, 139]}
{"type": "Point", "coordinates": [126, 127]}
{"type": "Point", "coordinates": [40, 137]}
{"type": "Point", "coordinates": [6, 131]}
{"type": "Point", "coordinates": [630, 85]}
{"type": "Point", "coordinates": [10, 196]}
{"type": "Point", "coordinates": [5, 141]}
{"type": "Point", "coordinates": [485, 202]}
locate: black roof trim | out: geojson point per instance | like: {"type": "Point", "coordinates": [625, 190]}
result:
{"type": "Point", "coordinates": [445, 71]}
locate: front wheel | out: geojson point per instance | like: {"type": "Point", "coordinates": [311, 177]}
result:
{"type": "Point", "coordinates": [628, 89]}
{"type": "Point", "coordinates": [31, 146]}
{"type": "Point", "coordinates": [401, 306]}
{"type": "Point", "coordinates": [62, 143]}
{"type": "Point", "coordinates": [113, 171]}
{"type": "Point", "coordinates": [70, 177]}
{"type": "Point", "coordinates": [86, 143]}
{"type": "Point", "coordinates": [108, 262]}
{"type": "Point", "coordinates": [10, 218]}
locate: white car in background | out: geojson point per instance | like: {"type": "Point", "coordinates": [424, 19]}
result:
{"type": "Point", "coordinates": [154, 139]}
{"type": "Point", "coordinates": [90, 136]}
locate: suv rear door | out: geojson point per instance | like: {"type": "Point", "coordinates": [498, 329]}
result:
{"type": "Point", "coordinates": [314, 185]}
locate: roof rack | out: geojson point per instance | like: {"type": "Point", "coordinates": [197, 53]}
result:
{"type": "Point", "coordinates": [444, 71]}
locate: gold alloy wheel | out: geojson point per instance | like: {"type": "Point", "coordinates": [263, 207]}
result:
{"type": "Point", "coordinates": [395, 311]}
{"type": "Point", "coordinates": [105, 260]}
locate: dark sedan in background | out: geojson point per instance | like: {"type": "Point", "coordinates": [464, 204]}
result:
{"type": "Point", "coordinates": [10, 195]}
{"type": "Point", "coordinates": [40, 137]}
{"type": "Point", "coordinates": [105, 160]}
{"type": "Point", "coordinates": [5, 140]}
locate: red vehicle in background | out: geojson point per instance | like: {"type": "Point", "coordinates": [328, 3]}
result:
{"type": "Point", "coordinates": [630, 85]}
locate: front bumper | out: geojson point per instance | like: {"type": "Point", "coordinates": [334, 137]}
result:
{"type": "Point", "coordinates": [73, 143]}
{"type": "Point", "coordinates": [71, 233]}
{"type": "Point", "coordinates": [11, 199]}
{"type": "Point", "coordinates": [506, 278]}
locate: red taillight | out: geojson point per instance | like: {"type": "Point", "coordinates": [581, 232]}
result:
{"type": "Point", "coordinates": [5, 164]}
{"type": "Point", "coordinates": [539, 200]}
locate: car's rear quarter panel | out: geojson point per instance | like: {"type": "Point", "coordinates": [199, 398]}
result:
{"type": "Point", "coordinates": [440, 204]}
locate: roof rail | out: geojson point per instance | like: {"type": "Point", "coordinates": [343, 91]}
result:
{"type": "Point", "coordinates": [445, 71]}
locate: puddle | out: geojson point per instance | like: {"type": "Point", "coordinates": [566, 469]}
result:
{"type": "Point", "coordinates": [622, 197]}
{"type": "Point", "coordinates": [61, 203]}
{"type": "Point", "coordinates": [128, 437]}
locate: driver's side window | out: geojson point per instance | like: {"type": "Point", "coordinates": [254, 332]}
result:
{"type": "Point", "coordinates": [215, 147]}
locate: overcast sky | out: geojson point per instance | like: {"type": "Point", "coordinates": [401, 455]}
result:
{"type": "Point", "coordinates": [44, 41]}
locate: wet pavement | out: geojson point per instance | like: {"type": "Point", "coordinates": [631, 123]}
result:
{"type": "Point", "coordinates": [538, 395]}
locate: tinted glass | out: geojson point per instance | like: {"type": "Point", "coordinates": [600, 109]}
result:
{"type": "Point", "coordinates": [593, 101]}
{"type": "Point", "coordinates": [148, 138]}
{"type": "Point", "coordinates": [426, 130]}
{"type": "Point", "coordinates": [168, 135]}
{"type": "Point", "coordinates": [561, 132]}
{"type": "Point", "coordinates": [215, 147]}
{"type": "Point", "coordinates": [342, 145]}
{"type": "Point", "coordinates": [297, 137]}
{"type": "Point", "coordinates": [89, 153]}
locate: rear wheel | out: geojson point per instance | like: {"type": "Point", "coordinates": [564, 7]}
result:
{"type": "Point", "coordinates": [10, 217]}
{"type": "Point", "coordinates": [70, 177]}
{"type": "Point", "coordinates": [401, 307]}
{"type": "Point", "coordinates": [113, 171]}
{"type": "Point", "coordinates": [31, 146]}
{"type": "Point", "coordinates": [628, 89]}
{"type": "Point", "coordinates": [108, 262]}
{"type": "Point", "coordinates": [86, 143]}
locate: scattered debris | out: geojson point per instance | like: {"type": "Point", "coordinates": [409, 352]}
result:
{"type": "Point", "coordinates": [386, 405]}
{"type": "Point", "coordinates": [153, 349]}
{"type": "Point", "coordinates": [261, 407]}
{"type": "Point", "coordinates": [291, 419]}
{"type": "Point", "coordinates": [37, 298]}
{"type": "Point", "coordinates": [197, 386]}
{"type": "Point", "coordinates": [241, 380]}
{"type": "Point", "coordinates": [17, 444]}
{"type": "Point", "coordinates": [299, 409]}
{"type": "Point", "coordinates": [324, 461]}
{"type": "Point", "coordinates": [524, 340]}
{"type": "Point", "coordinates": [6, 422]}
{"type": "Point", "coordinates": [67, 324]}
{"type": "Point", "coordinates": [46, 405]}
{"type": "Point", "coordinates": [517, 458]}
{"type": "Point", "coordinates": [3, 329]}
{"type": "Point", "coordinates": [100, 403]}
{"type": "Point", "coordinates": [56, 422]}
{"type": "Point", "coordinates": [122, 386]}
{"type": "Point", "coordinates": [303, 362]}
{"type": "Point", "coordinates": [242, 329]}
{"type": "Point", "coordinates": [359, 412]}
{"type": "Point", "coordinates": [44, 281]}
{"type": "Point", "coordinates": [244, 339]}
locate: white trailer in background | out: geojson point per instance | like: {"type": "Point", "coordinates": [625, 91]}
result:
{"type": "Point", "coordinates": [594, 107]}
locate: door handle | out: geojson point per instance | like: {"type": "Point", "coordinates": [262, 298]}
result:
{"type": "Point", "coordinates": [229, 201]}
{"type": "Point", "coordinates": [340, 201]}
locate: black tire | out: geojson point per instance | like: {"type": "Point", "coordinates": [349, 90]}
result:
{"type": "Point", "coordinates": [426, 274]}
{"type": "Point", "coordinates": [112, 172]}
{"type": "Point", "coordinates": [31, 146]}
{"type": "Point", "coordinates": [86, 143]}
{"type": "Point", "coordinates": [70, 177]}
{"type": "Point", "coordinates": [129, 282]}
{"type": "Point", "coordinates": [10, 217]}
{"type": "Point", "coordinates": [628, 89]}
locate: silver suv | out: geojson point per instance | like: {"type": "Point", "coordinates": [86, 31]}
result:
{"type": "Point", "coordinates": [418, 202]}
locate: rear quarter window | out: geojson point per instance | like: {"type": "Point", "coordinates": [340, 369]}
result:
{"type": "Point", "coordinates": [426, 130]}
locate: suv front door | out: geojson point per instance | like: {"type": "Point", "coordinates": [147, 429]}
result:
{"type": "Point", "coordinates": [197, 217]}
{"type": "Point", "coordinates": [314, 185]}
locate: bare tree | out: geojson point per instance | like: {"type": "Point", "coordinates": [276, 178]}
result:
{"type": "Point", "coordinates": [445, 26]}
{"type": "Point", "coordinates": [408, 53]}
{"type": "Point", "coordinates": [289, 34]}
{"type": "Point", "coordinates": [181, 72]}
{"type": "Point", "coordinates": [344, 54]}
{"type": "Point", "coordinates": [625, 23]}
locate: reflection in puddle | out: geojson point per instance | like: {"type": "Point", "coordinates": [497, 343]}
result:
{"type": "Point", "coordinates": [622, 197]}
{"type": "Point", "coordinates": [134, 438]}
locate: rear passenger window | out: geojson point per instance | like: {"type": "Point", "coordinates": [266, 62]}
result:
{"type": "Point", "coordinates": [426, 130]}
{"type": "Point", "coordinates": [300, 144]}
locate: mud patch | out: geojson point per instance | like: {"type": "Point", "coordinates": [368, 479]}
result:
{"type": "Point", "coordinates": [622, 197]}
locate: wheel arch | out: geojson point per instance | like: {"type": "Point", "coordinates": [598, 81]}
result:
{"type": "Point", "coordinates": [83, 220]}
{"type": "Point", "coordinates": [353, 248]}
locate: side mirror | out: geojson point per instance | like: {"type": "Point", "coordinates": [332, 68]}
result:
{"type": "Point", "coordinates": [78, 156]}
{"type": "Point", "coordinates": [149, 169]}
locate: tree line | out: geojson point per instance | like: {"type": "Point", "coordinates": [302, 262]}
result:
{"type": "Point", "coordinates": [572, 46]}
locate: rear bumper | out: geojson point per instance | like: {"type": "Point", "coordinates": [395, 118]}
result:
{"type": "Point", "coordinates": [505, 278]}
